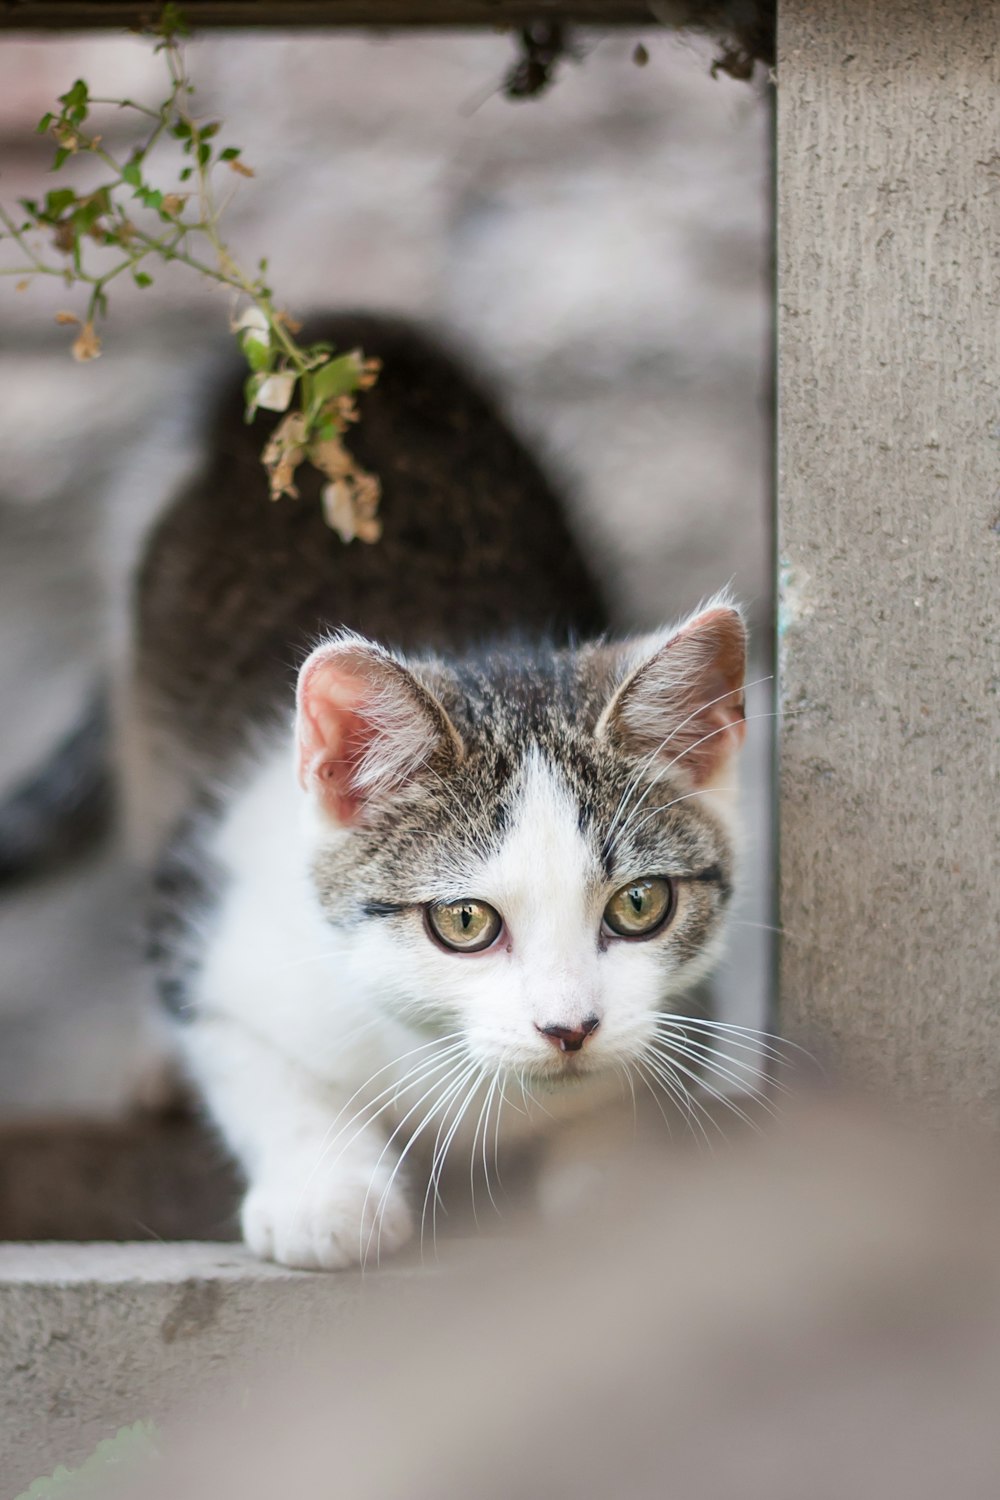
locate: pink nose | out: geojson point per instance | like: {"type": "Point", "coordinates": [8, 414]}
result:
{"type": "Point", "coordinates": [570, 1038]}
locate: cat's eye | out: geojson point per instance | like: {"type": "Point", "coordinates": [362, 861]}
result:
{"type": "Point", "coordinates": [640, 908]}
{"type": "Point", "coordinates": [466, 926]}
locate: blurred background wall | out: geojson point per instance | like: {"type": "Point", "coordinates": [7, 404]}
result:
{"type": "Point", "coordinates": [602, 251]}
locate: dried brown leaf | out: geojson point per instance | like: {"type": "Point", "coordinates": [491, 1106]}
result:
{"type": "Point", "coordinates": [86, 345]}
{"type": "Point", "coordinates": [284, 451]}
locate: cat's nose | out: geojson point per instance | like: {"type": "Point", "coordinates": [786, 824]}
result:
{"type": "Point", "coordinates": [570, 1038]}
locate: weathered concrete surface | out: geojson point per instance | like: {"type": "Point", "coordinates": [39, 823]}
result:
{"type": "Point", "coordinates": [889, 338]}
{"type": "Point", "coordinates": [96, 1337]}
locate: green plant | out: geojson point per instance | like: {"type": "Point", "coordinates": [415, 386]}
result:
{"type": "Point", "coordinates": [127, 224]}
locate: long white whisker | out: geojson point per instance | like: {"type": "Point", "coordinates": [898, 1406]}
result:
{"type": "Point", "coordinates": [438, 1169]}
{"type": "Point", "coordinates": [722, 729]}
{"type": "Point", "coordinates": [658, 749]}
{"type": "Point", "coordinates": [496, 1132]}
{"type": "Point", "coordinates": [747, 1076]}
{"type": "Point", "coordinates": [486, 1168]}
{"type": "Point", "coordinates": [748, 1035]}
{"type": "Point", "coordinates": [434, 1088]}
{"type": "Point", "coordinates": [697, 1078]}
{"type": "Point", "coordinates": [441, 1088]}
{"type": "Point", "coordinates": [416, 1075]}
{"type": "Point", "coordinates": [667, 1072]}
{"type": "Point", "coordinates": [708, 1057]}
{"type": "Point", "coordinates": [432, 1184]}
{"type": "Point", "coordinates": [757, 1053]}
{"type": "Point", "coordinates": [704, 791]}
{"type": "Point", "coordinates": [674, 1091]}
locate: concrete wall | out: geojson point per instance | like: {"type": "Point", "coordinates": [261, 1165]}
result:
{"type": "Point", "coordinates": [889, 515]}
{"type": "Point", "coordinates": [96, 1337]}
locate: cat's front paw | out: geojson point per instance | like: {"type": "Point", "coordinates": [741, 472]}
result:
{"type": "Point", "coordinates": [326, 1225]}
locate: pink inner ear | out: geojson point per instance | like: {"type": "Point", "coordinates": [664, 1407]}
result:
{"type": "Point", "coordinates": [334, 732]}
{"type": "Point", "coordinates": [366, 726]}
{"type": "Point", "coordinates": [685, 705]}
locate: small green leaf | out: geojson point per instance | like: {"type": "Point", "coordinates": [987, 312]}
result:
{"type": "Point", "coordinates": [44, 124]}
{"type": "Point", "coordinates": [150, 197]}
{"type": "Point", "coordinates": [258, 354]}
{"type": "Point", "coordinates": [60, 157]}
{"type": "Point", "coordinates": [229, 154]}
{"type": "Point", "coordinates": [186, 173]}
{"type": "Point", "coordinates": [131, 174]}
{"type": "Point", "coordinates": [181, 130]}
{"type": "Point", "coordinates": [251, 390]}
{"type": "Point", "coordinates": [204, 155]}
{"type": "Point", "coordinates": [57, 200]}
{"type": "Point", "coordinates": [337, 378]}
{"type": "Point", "coordinates": [141, 279]}
{"type": "Point", "coordinates": [75, 102]}
{"type": "Point", "coordinates": [206, 132]}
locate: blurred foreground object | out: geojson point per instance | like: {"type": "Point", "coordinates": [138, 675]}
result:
{"type": "Point", "coordinates": [813, 1316]}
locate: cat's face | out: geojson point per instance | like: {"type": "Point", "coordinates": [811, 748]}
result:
{"type": "Point", "coordinates": [533, 852]}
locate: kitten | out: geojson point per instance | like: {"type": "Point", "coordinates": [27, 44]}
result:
{"type": "Point", "coordinates": [420, 850]}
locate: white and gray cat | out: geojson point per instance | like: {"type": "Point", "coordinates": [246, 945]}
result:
{"type": "Point", "coordinates": [429, 847]}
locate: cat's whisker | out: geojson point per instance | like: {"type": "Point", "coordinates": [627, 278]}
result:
{"type": "Point", "coordinates": [300, 962]}
{"type": "Point", "coordinates": [676, 1095]}
{"type": "Point", "coordinates": [756, 1053]}
{"type": "Point", "coordinates": [496, 1140]}
{"type": "Point", "coordinates": [418, 1079]}
{"type": "Point", "coordinates": [432, 1183]}
{"type": "Point", "coordinates": [655, 1100]}
{"type": "Point", "coordinates": [445, 1089]}
{"type": "Point", "coordinates": [454, 1037]}
{"type": "Point", "coordinates": [666, 1070]}
{"type": "Point", "coordinates": [746, 1075]}
{"type": "Point", "coordinates": [761, 926]}
{"type": "Point", "coordinates": [472, 1152]}
{"type": "Point", "coordinates": [390, 1098]}
{"type": "Point", "coordinates": [477, 839]}
{"type": "Point", "coordinates": [434, 1088]}
{"type": "Point", "coordinates": [496, 1132]}
{"type": "Point", "coordinates": [656, 812]}
{"type": "Point", "coordinates": [647, 760]}
{"type": "Point", "coordinates": [438, 1087]}
{"type": "Point", "coordinates": [412, 1078]}
{"type": "Point", "coordinates": [438, 1168]}
{"type": "Point", "coordinates": [722, 729]}
{"type": "Point", "coordinates": [709, 1058]}
{"type": "Point", "coordinates": [415, 1081]}
{"type": "Point", "coordinates": [769, 1042]}
{"type": "Point", "coordinates": [674, 1061]}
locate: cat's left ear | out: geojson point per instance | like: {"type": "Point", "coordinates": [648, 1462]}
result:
{"type": "Point", "coordinates": [366, 728]}
{"type": "Point", "coordinates": [681, 701]}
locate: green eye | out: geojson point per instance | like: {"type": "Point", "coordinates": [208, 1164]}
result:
{"type": "Point", "coordinates": [640, 908]}
{"type": "Point", "coordinates": [467, 926]}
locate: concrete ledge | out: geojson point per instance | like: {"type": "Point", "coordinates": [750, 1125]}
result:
{"type": "Point", "coordinates": [95, 1337]}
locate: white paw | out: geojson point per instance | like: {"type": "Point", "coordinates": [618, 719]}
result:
{"type": "Point", "coordinates": [339, 1221]}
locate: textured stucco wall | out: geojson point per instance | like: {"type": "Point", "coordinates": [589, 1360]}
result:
{"type": "Point", "coordinates": [96, 1337]}
{"type": "Point", "coordinates": [889, 521]}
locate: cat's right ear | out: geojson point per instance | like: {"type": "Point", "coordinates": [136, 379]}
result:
{"type": "Point", "coordinates": [366, 728]}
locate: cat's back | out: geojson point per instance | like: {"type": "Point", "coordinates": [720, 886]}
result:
{"type": "Point", "coordinates": [475, 544]}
